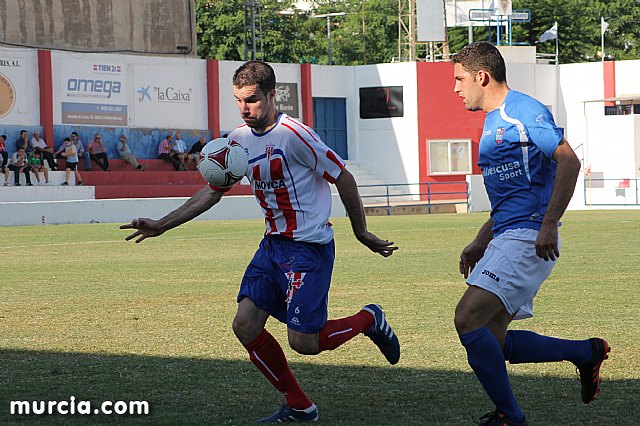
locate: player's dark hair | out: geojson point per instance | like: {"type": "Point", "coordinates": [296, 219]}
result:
{"type": "Point", "coordinates": [482, 56]}
{"type": "Point", "coordinates": [255, 72]}
{"type": "Point", "coordinates": [67, 139]}
{"type": "Point", "coordinates": [74, 133]}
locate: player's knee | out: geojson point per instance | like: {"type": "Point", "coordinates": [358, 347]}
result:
{"type": "Point", "coordinates": [243, 329]}
{"type": "Point", "coordinates": [303, 346]}
{"type": "Point", "coordinates": [463, 321]}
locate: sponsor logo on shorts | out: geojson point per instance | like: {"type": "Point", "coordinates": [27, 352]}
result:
{"type": "Point", "coordinates": [295, 282]}
{"type": "Point", "coordinates": [491, 275]}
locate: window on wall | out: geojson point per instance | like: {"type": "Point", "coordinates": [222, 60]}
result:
{"type": "Point", "coordinates": [450, 157]}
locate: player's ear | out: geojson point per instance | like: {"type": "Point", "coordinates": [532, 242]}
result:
{"type": "Point", "coordinates": [271, 95]}
{"type": "Point", "coordinates": [484, 78]}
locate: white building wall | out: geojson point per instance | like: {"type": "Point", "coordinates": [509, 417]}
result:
{"type": "Point", "coordinates": [580, 85]}
{"type": "Point", "coordinates": [627, 81]}
{"type": "Point", "coordinates": [20, 70]}
{"type": "Point", "coordinates": [389, 146]}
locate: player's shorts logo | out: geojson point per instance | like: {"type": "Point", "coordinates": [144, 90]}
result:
{"type": "Point", "coordinates": [295, 282]}
{"type": "Point", "coordinates": [491, 275]}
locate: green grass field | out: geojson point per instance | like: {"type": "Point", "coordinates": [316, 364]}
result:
{"type": "Point", "coordinates": [85, 313]}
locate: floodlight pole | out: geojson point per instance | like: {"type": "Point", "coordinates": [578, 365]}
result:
{"type": "Point", "coordinates": [602, 31]}
{"type": "Point", "coordinates": [328, 16]}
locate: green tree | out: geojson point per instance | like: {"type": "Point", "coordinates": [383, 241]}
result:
{"type": "Point", "coordinates": [368, 32]}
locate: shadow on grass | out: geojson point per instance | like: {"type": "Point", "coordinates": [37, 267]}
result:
{"type": "Point", "coordinates": [212, 391]}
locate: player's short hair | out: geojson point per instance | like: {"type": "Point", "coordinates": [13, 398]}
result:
{"type": "Point", "coordinates": [255, 72]}
{"type": "Point", "coordinates": [74, 133]}
{"type": "Point", "coordinates": [67, 139]}
{"type": "Point", "coordinates": [482, 56]}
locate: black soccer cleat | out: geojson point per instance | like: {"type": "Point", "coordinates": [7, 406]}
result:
{"type": "Point", "coordinates": [382, 335]}
{"type": "Point", "coordinates": [496, 418]}
{"type": "Point", "coordinates": [590, 372]}
{"type": "Point", "coordinates": [287, 414]}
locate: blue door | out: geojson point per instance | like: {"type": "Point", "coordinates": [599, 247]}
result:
{"type": "Point", "coordinates": [330, 123]}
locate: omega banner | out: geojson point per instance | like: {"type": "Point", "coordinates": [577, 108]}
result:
{"type": "Point", "coordinates": [93, 92]}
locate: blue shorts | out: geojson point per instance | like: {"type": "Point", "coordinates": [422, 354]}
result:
{"type": "Point", "coordinates": [290, 281]}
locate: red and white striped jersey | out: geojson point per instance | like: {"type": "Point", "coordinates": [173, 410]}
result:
{"type": "Point", "coordinates": [289, 167]}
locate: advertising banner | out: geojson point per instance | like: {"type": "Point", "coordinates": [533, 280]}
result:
{"type": "Point", "coordinates": [169, 96]}
{"type": "Point", "coordinates": [287, 99]}
{"type": "Point", "coordinates": [93, 92]}
{"type": "Point", "coordinates": [18, 88]}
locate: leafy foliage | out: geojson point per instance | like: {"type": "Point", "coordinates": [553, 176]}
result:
{"type": "Point", "coordinates": [368, 31]}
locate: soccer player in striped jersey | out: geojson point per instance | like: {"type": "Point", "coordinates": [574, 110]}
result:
{"type": "Point", "coordinates": [290, 169]}
{"type": "Point", "coordinates": [530, 173]}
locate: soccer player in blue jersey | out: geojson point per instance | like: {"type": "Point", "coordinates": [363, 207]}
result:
{"type": "Point", "coordinates": [530, 173]}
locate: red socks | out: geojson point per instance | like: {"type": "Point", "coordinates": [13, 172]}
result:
{"type": "Point", "coordinates": [266, 354]}
{"type": "Point", "coordinates": [336, 332]}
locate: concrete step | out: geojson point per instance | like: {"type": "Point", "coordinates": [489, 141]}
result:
{"type": "Point", "coordinates": [158, 191]}
{"type": "Point", "coordinates": [116, 164]}
{"type": "Point", "coordinates": [142, 178]}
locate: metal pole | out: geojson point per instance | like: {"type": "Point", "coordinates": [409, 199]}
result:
{"type": "Point", "coordinates": [602, 36]}
{"type": "Point", "coordinates": [329, 38]}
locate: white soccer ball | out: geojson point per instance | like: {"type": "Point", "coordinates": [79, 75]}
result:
{"type": "Point", "coordinates": [223, 162]}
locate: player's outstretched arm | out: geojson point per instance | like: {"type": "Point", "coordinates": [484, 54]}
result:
{"type": "Point", "coordinates": [565, 182]}
{"type": "Point", "coordinates": [348, 190]}
{"type": "Point", "coordinates": [472, 253]}
{"type": "Point", "coordinates": [199, 203]}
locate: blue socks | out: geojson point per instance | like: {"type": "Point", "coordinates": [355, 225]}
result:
{"type": "Point", "coordinates": [522, 346]}
{"type": "Point", "coordinates": [488, 362]}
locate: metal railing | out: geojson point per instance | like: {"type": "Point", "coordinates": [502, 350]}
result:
{"type": "Point", "coordinates": [611, 192]}
{"type": "Point", "coordinates": [414, 194]}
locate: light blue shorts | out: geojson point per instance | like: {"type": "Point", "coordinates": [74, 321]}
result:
{"type": "Point", "coordinates": [511, 270]}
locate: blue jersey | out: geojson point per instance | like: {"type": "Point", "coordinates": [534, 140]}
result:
{"type": "Point", "coordinates": [515, 152]}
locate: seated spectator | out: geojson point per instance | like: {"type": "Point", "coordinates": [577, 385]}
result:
{"type": "Point", "coordinates": [72, 162]}
{"type": "Point", "coordinates": [98, 154]}
{"type": "Point", "coordinates": [20, 164]}
{"type": "Point", "coordinates": [125, 153]}
{"type": "Point", "coordinates": [5, 159]}
{"type": "Point", "coordinates": [35, 162]}
{"type": "Point", "coordinates": [194, 152]}
{"type": "Point", "coordinates": [39, 145]}
{"type": "Point", "coordinates": [180, 150]}
{"type": "Point", "coordinates": [79, 148]}
{"type": "Point", "coordinates": [23, 141]}
{"type": "Point", "coordinates": [165, 152]}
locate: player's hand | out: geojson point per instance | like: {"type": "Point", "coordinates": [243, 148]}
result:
{"type": "Point", "coordinates": [382, 247]}
{"type": "Point", "coordinates": [547, 242]}
{"type": "Point", "coordinates": [144, 227]}
{"type": "Point", "coordinates": [470, 257]}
